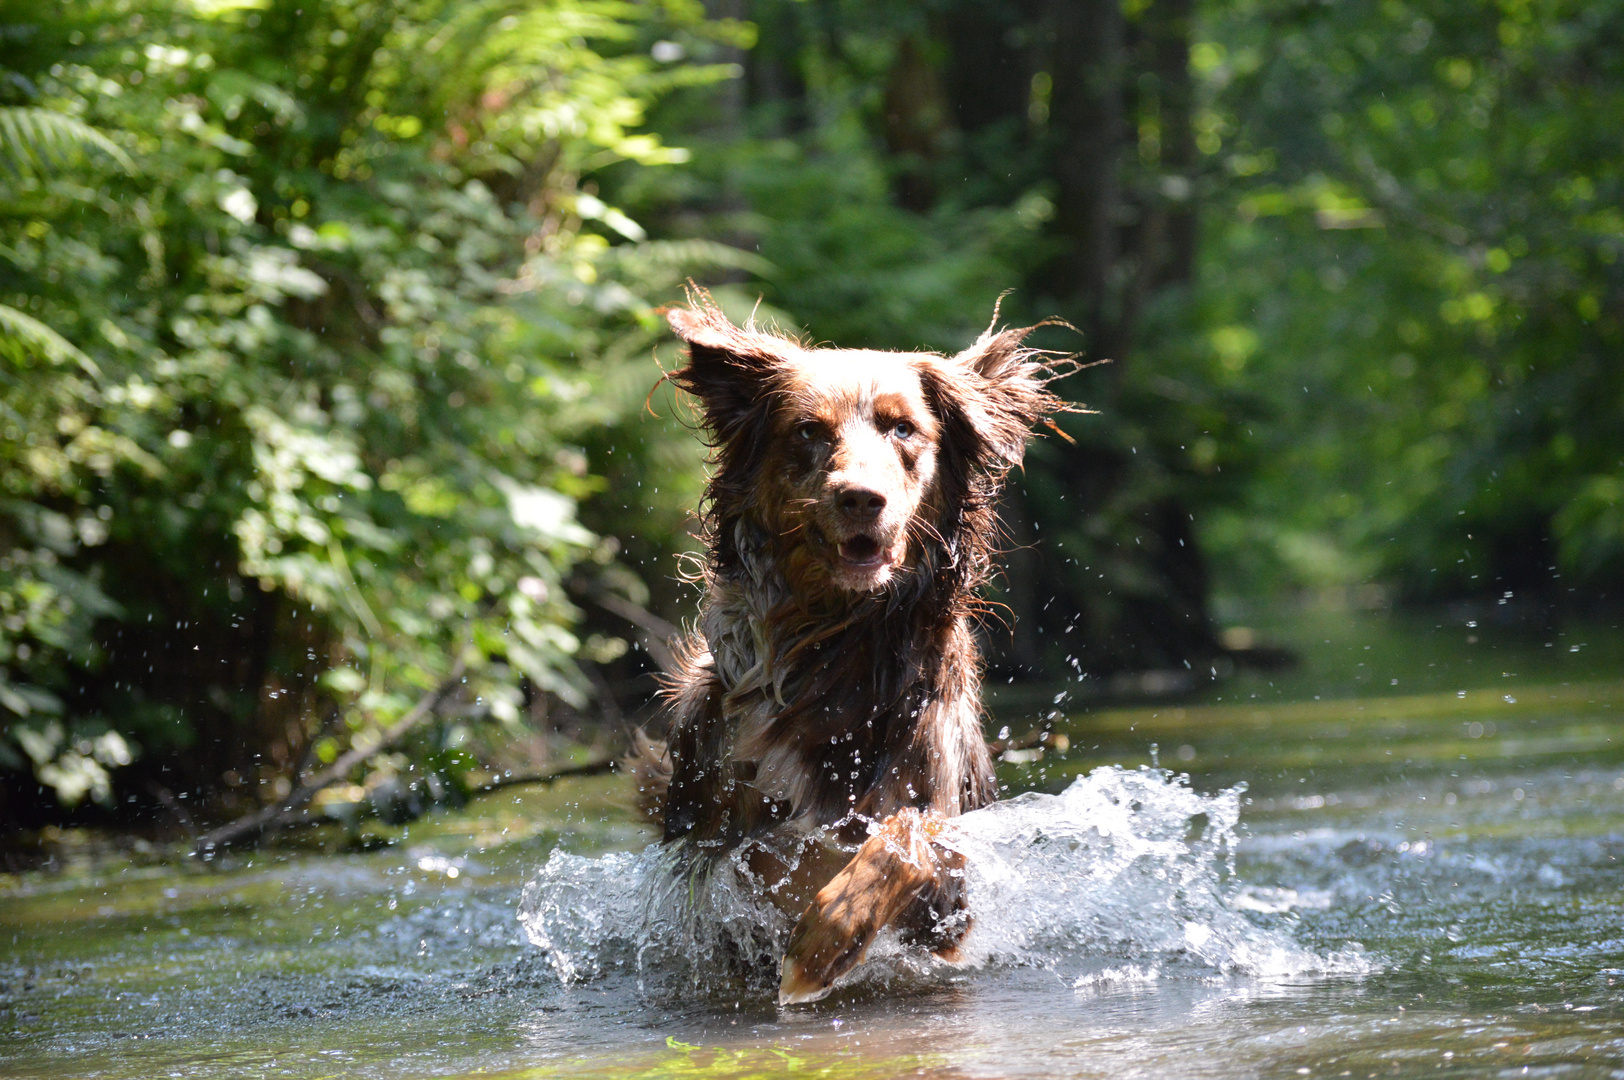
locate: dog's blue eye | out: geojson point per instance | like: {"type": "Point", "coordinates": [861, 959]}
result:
{"type": "Point", "coordinates": [902, 429]}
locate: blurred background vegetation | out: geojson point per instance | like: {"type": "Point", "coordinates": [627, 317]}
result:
{"type": "Point", "coordinates": [329, 327]}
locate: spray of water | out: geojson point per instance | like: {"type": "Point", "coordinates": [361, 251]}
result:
{"type": "Point", "coordinates": [1125, 875]}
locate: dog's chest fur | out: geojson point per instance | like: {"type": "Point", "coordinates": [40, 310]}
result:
{"type": "Point", "coordinates": [825, 712]}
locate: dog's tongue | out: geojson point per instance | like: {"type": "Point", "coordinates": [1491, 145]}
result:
{"type": "Point", "coordinates": [860, 549]}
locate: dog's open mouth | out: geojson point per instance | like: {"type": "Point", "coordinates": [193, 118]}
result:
{"type": "Point", "coordinates": [863, 551]}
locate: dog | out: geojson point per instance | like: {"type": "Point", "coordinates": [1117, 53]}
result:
{"type": "Point", "coordinates": [825, 720]}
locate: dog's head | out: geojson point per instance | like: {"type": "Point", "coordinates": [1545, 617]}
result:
{"type": "Point", "coordinates": [858, 460]}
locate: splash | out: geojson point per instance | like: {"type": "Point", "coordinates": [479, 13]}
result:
{"type": "Point", "coordinates": [644, 913]}
{"type": "Point", "coordinates": [1124, 876]}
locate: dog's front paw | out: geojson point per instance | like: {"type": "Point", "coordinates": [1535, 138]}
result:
{"type": "Point", "coordinates": [827, 942]}
{"type": "Point", "coordinates": [889, 871]}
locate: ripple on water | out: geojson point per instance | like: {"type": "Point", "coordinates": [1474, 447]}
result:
{"type": "Point", "coordinates": [1127, 875]}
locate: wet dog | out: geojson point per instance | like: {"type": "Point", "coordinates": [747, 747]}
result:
{"type": "Point", "coordinates": [826, 719]}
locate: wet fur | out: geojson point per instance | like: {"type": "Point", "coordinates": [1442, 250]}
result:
{"type": "Point", "coordinates": [807, 714]}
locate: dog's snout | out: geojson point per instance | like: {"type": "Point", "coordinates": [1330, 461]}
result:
{"type": "Point", "coordinates": [859, 502]}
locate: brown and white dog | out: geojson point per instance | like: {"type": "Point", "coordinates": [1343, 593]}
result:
{"type": "Point", "coordinates": [826, 720]}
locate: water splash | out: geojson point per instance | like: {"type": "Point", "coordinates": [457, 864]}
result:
{"type": "Point", "coordinates": [644, 913]}
{"type": "Point", "coordinates": [1124, 876]}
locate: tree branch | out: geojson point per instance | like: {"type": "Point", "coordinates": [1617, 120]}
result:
{"type": "Point", "coordinates": [590, 768]}
{"type": "Point", "coordinates": [656, 631]}
{"type": "Point", "coordinates": [271, 817]}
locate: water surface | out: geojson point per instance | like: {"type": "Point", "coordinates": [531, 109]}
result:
{"type": "Point", "coordinates": [1418, 884]}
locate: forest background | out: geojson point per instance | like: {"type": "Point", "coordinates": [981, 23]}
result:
{"type": "Point", "coordinates": [328, 330]}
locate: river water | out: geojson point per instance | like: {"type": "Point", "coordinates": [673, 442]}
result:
{"type": "Point", "coordinates": [1421, 879]}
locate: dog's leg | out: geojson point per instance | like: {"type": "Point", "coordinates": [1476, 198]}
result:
{"type": "Point", "coordinates": [896, 868]}
{"type": "Point", "coordinates": [790, 865]}
{"type": "Point", "coordinates": [939, 917]}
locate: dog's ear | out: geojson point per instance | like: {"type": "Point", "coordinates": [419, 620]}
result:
{"type": "Point", "coordinates": [988, 397]}
{"type": "Point", "coordinates": [729, 370]}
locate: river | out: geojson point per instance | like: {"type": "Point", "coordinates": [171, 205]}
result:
{"type": "Point", "coordinates": [1322, 873]}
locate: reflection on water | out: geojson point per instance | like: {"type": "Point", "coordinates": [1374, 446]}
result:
{"type": "Point", "coordinates": [1130, 924]}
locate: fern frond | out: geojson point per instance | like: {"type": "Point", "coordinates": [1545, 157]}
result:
{"type": "Point", "coordinates": [687, 256]}
{"type": "Point", "coordinates": [28, 331]}
{"type": "Point", "coordinates": [34, 141]}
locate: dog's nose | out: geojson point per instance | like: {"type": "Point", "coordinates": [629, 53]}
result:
{"type": "Point", "coordinates": [860, 502]}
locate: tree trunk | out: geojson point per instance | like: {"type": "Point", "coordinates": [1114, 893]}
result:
{"type": "Point", "coordinates": [989, 67]}
{"type": "Point", "coordinates": [1168, 25]}
{"type": "Point", "coordinates": [1087, 129]}
{"type": "Point", "coordinates": [1114, 581]}
{"type": "Point", "coordinates": [915, 114]}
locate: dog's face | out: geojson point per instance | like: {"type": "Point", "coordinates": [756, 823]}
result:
{"type": "Point", "coordinates": [854, 459]}
{"type": "Point", "coordinates": [852, 456]}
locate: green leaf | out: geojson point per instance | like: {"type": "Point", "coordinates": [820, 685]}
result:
{"type": "Point", "coordinates": [35, 141]}
{"type": "Point", "coordinates": [28, 332]}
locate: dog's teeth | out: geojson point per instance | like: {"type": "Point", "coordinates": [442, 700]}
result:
{"type": "Point", "coordinates": [862, 550]}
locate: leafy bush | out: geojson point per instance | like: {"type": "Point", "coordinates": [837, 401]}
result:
{"type": "Point", "coordinates": [308, 311]}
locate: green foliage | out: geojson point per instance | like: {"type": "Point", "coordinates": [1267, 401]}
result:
{"type": "Point", "coordinates": [815, 197]}
{"type": "Point", "coordinates": [1415, 271]}
{"type": "Point", "coordinates": [37, 141]}
{"type": "Point", "coordinates": [854, 267]}
{"type": "Point", "coordinates": [308, 313]}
